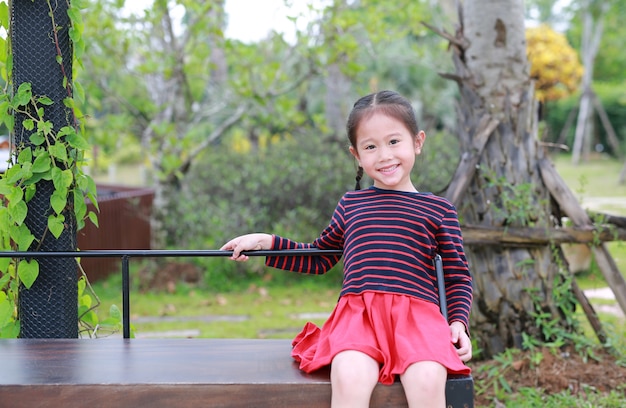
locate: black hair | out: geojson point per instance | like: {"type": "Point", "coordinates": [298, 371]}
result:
{"type": "Point", "coordinates": [389, 103]}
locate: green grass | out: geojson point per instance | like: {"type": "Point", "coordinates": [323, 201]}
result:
{"type": "Point", "coordinates": [596, 185]}
{"type": "Point", "coordinates": [599, 177]}
{"type": "Point", "coordinates": [260, 311]}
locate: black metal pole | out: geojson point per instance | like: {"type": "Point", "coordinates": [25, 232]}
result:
{"type": "Point", "coordinates": [126, 296]}
{"type": "Point", "coordinates": [39, 33]}
{"type": "Point", "coordinates": [156, 253]}
{"type": "Point", "coordinates": [126, 254]}
{"type": "Point", "coordinates": [441, 286]}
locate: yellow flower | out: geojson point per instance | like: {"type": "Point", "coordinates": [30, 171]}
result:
{"type": "Point", "coordinates": [555, 66]}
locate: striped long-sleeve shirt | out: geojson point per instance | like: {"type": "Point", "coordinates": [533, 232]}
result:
{"type": "Point", "coordinates": [389, 239]}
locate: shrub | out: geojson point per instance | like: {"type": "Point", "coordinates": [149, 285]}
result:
{"type": "Point", "coordinates": [290, 189]}
{"type": "Point", "coordinates": [613, 99]}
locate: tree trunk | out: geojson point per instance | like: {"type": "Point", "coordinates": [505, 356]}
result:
{"type": "Point", "coordinates": [219, 63]}
{"type": "Point", "coordinates": [505, 188]}
{"type": "Point", "coordinates": [337, 87]}
{"type": "Point", "coordinates": [591, 36]}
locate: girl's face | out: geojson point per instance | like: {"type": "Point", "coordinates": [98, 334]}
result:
{"type": "Point", "coordinates": [386, 150]}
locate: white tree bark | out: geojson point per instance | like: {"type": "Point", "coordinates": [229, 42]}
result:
{"type": "Point", "coordinates": [591, 37]}
{"type": "Point", "coordinates": [497, 52]}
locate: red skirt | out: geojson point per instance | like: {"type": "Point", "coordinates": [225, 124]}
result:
{"type": "Point", "coordinates": [394, 330]}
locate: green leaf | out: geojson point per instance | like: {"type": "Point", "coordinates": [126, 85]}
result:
{"type": "Point", "coordinates": [67, 178]}
{"type": "Point", "coordinates": [24, 94]}
{"type": "Point", "coordinates": [4, 109]}
{"type": "Point", "coordinates": [82, 284]}
{"type": "Point", "coordinates": [56, 177]}
{"type": "Point", "coordinates": [90, 318]}
{"type": "Point", "coordinates": [58, 201]}
{"type": "Point", "coordinates": [4, 267]}
{"type": "Point", "coordinates": [44, 100]}
{"type": "Point", "coordinates": [93, 218]}
{"type": "Point", "coordinates": [79, 4]}
{"type": "Point", "coordinates": [9, 121]}
{"type": "Point", "coordinates": [31, 189]}
{"type": "Point", "coordinates": [56, 224]}
{"type": "Point", "coordinates": [37, 139]}
{"type": "Point", "coordinates": [79, 50]}
{"type": "Point", "coordinates": [6, 310]}
{"type": "Point", "coordinates": [17, 172]}
{"type": "Point", "coordinates": [85, 300]}
{"type": "Point", "coordinates": [77, 141]}
{"type": "Point", "coordinates": [5, 188]}
{"type": "Point", "coordinates": [25, 156]}
{"type": "Point", "coordinates": [28, 272]}
{"type": "Point", "coordinates": [45, 127]}
{"type": "Point", "coordinates": [11, 331]}
{"type": "Point", "coordinates": [65, 130]}
{"type": "Point", "coordinates": [4, 15]}
{"type": "Point", "coordinates": [115, 313]}
{"type": "Point", "coordinates": [80, 208]}
{"type": "Point", "coordinates": [28, 124]}
{"type": "Point", "coordinates": [80, 224]}
{"type": "Point", "coordinates": [59, 151]}
{"type": "Point", "coordinates": [14, 195]}
{"type": "Point", "coordinates": [74, 14]}
{"type": "Point", "coordinates": [18, 212]}
{"type": "Point", "coordinates": [110, 324]}
{"type": "Point", "coordinates": [79, 91]}
{"type": "Point", "coordinates": [42, 163]}
{"type": "Point", "coordinates": [23, 237]}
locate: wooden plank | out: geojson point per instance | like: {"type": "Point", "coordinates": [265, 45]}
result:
{"type": "Point", "coordinates": [540, 236]}
{"type": "Point", "coordinates": [570, 206]}
{"type": "Point", "coordinates": [163, 373]}
{"type": "Point", "coordinates": [469, 160]}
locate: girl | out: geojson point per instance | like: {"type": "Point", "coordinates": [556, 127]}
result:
{"type": "Point", "coordinates": [387, 321]}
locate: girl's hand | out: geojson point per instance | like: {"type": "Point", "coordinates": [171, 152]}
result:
{"type": "Point", "coordinates": [249, 242]}
{"type": "Point", "coordinates": [459, 337]}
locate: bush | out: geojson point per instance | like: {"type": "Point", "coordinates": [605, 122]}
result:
{"type": "Point", "coordinates": [290, 189]}
{"type": "Point", "coordinates": [613, 99]}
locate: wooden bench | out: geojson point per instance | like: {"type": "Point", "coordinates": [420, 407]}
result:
{"type": "Point", "coordinates": [172, 373]}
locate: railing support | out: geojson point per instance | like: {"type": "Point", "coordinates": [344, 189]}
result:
{"type": "Point", "coordinates": [126, 296]}
{"type": "Point", "coordinates": [125, 256]}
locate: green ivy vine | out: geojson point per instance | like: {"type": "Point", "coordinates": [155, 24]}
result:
{"type": "Point", "coordinates": [52, 155]}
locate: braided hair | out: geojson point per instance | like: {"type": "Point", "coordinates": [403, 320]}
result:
{"type": "Point", "coordinates": [389, 103]}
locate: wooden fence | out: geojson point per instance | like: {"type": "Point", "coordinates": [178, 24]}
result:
{"type": "Point", "coordinates": [124, 223]}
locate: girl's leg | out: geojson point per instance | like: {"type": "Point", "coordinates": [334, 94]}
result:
{"type": "Point", "coordinates": [425, 384]}
{"type": "Point", "coordinates": [353, 376]}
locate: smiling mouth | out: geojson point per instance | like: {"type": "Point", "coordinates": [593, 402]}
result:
{"type": "Point", "coordinates": [390, 169]}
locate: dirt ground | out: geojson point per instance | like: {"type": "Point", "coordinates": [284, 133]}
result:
{"type": "Point", "coordinates": [555, 373]}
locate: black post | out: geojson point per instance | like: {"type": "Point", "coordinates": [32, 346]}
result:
{"type": "Point", "coordinates": [49, 308]}
{"type": "Point", "coordinates": [126, 296]}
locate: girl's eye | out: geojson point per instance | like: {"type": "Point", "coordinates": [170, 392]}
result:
{"type": "Point", "coordinates": [369, 147]}
{"type": "Point", "coordinates": [394, 141]}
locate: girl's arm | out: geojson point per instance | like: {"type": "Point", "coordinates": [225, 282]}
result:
{"type": "Point", "coordinates": [248, 242]}
{"type": "Point", "coordinates": [330, 238]}
{"type": "Point", "coordinates": [315, 265]}
{"type": "Point", "coordinates": [259, 241]}
{"type": "Point", "coordinates": [458, 280]}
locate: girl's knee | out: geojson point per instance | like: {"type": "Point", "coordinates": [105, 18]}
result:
{"type": "Point", "coordinates": [426, 382]}
{"type": "Point", "coordinates": [353, 376]}
{"type": "Point", "coordinates": [354, 367]}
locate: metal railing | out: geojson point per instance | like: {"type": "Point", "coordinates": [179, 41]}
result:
{"type": "Point", "coordinates": [126, 255]}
